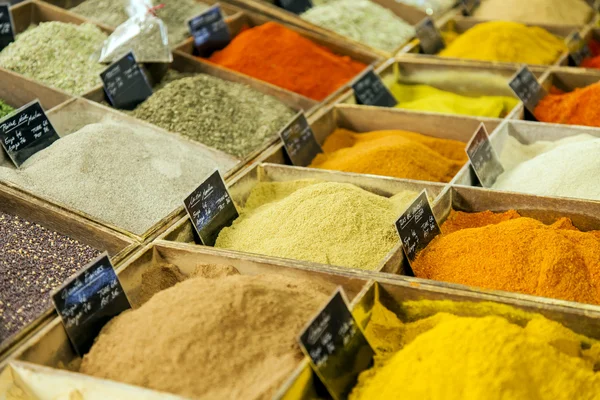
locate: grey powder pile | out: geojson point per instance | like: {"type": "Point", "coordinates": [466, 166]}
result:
{"type": "Point", "coordinates": [225, 115]}
{"type": "Point", "coordinates": [57, 54]}
{"type": "Point", "coordinates": [128, 176]}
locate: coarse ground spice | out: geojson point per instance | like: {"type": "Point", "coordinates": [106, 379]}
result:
{"type": "Point", "coordinates": [399, 154]}
{"type": "Point", "coordinates": [324, 222]}
{"type": "Point", "coordinates": [5, 109]}
{"type": "Point", "coordinates": [228, 116]}
{"type": "Point", "coordinates": [275, 54]}
{"type": "Point", "coordinates": [574, 108]}
{"type": "Point", "coordinates": [57, 54]}
{"type": "Point", "coordinates": [33, 261]}
{"type": "Point", "coordinates": [243, 328]}
{"type": "Point", "coordinates": [517, 254]}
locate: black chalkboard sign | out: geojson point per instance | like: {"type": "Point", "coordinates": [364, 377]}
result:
{"type": "Point", "coordinates": [578, 50]}
{"type": "Point", "coordinates": [483, 157]}
{"type": "Point", "coordinates": [336, 347]}
{"type": "Point", "coordinates": [125, 84]}
{"type": "Point", "coordinates": [429, 36]}
{"type": "Point", "coordinates": [26, 131]}
{"type": "Point", "coordinates": [369, 90]}
{"type": "Point", "coordinates": [527, 88]}
{"type": "Point", "coordinates": [417, 226]}
{"type": "Point", "coordinates": [299, 141]}
{"type": "Point", "coordinates": [210, 208]}
{"type": "Point", "coordinates": [7, 27]}
{"type": "Point", "coordinates": [210, 32]}
{"type": "Point", "coordinates": [295, 6]}
{"type": "Point", "coordinates": [88, 300]}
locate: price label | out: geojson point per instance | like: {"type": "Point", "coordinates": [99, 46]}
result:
{"type": "Point", "coordinates": [26, 131]}
{"type": "Point", "coordinates": [578, 50]}
{"type": "Point", "coordinates": [7, 27]}
{"type": "Point", "coordinates": [430, 38]}
{"type": "Point", "coordinates": [295, 6]}
{"type": "Point", "coordinates": [417, 226]}
{"type": "Point", "coordinates": [336, 346]}
{"type": "Point", "coordinates": [527, 88]}
{"type": "Point", "coordinates": [483, 157]}
{"type": "Point", "coordinates": [468, 6]}
{"type": "Point", "coordinates": [125, 84]}
{"type": "Point", "coordinates": [299, 141]}
{"type": "Point", "coordinates": [210, 32]}
{"type": "Point", "coordinates": [369, 90]}
{"type": "Point", "coordinates": [88, 300]}
{"type": "Point", "coordinates": [210, 208]}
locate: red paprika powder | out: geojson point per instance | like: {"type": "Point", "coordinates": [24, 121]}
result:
{"type": "Point", "coordinates": [579, 107]}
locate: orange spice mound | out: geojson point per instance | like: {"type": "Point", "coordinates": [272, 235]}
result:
{"type": "Point", "coordinates": [504, 251]}
{"type": "Point", "coordinates": [579, 107]}
{"type": "Point", "coordinates": [280, 56]}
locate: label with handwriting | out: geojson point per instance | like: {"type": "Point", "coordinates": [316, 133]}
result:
{"type": "Point", "coordinates": [483, 157]}
{"type": "Point", "coordinates": [336, 346]}
{"type": "Point", "coordinates": [7, 27]}
{"type": "Point", "coordinates": [299, 141]}
{"type": "Point", "coordinates": [578, 50]}
{"type": "Point", "coordinates": [209, 30]}
{"type": "Point", "coordinates": [527, 88]}
{"type": "Point", "coordinates": [88, 300]}
{"type": "Point", "coordinates": [125, 84]}
{"type": "Point", "coordinates": [26, 131]}
{"type": "Point", "coordinates": [429, 36]}
{"type": "Point", "coordinates": [417, 226]}
{"type": "Point", "coordinates": [295, 6]}
{"type": "Point", "coordinates": [369, 90]}
{"type": "Point", "coordinates": [210, 208]}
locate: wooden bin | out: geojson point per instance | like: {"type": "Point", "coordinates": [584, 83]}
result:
{"type": "Point", "coordinates": [17, 91]}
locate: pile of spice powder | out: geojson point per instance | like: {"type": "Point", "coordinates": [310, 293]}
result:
{"type": "Point", "coordinates": [57, 54]}
{"type": "Point", "coordinates": [324, 222]}
{"type": "Point", "coordinates": [549, 12]}
{"type": "Point", "coordinates": [431, 7]}
{"type": "Point", "coordinates": [275, 54]}
{"type": "Point", "coordinates": [506, 41]}
{"type": "Point", "coordinates": [174, 14]}
{"type": "Point", "coordinates": [574, 108]}
{"type": "Point", "coordinates": [399, 154]}
{"type": "Point", "coordinates": [228, 116]}
{"type": "Point", "coordinates": [5, 109]}
{"type": "Point", "coordinates": [488, 357]}
{"type": "Point", "coordinates": [505, 251]}
{"type": "Point", "coordinates": [33, 261]}
{"type": "Point", "coordinates": [243, 327]}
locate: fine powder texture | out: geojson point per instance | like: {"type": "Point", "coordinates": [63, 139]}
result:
{"type": "Point", "coordinates": [507, 42]}
{"type": "Point", "coordinates": [516, 254]}
{"type": "Point", "coordinates": [129, 176]}
{"type": "Point", "coordinates": [33, 261]}
{"type": "Point", "coordinates": [228, 116]}
{"type": "Point", "coordinates": [574, 108]}
{"type": "Point", "coordinates": [275, 54]}
{"type": "Point", "coordinates": [448, 357]}
{"type": "Point", "coordinates": [362, 20]}
{"type": "Point", "coordinates": [562, 168]}
{"type": "Point", "coordinates": [57, 54]}
{"type": "Point", "coordinates": [227, 338]}
{"type": "Point", "coordinates": [572, 12]}
{"type": "Point", "coordinates": [399, 154]}
{"type": "Point", "coordinates": [324, 222]}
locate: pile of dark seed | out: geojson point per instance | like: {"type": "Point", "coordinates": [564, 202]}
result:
{"type": "Point", "coordinates": [33, 261]}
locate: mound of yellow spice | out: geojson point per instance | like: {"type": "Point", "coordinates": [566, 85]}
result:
{"type": "Point", "coordinates": [508, 252]}
{"type": "Point", "coordinates": [399, 154]}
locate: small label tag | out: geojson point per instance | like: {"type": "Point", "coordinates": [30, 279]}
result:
{"type": "Point", "coordinates": [468, 6]}
{"type": "Point", "coordinates": [578, 50]}
{"type": "Point", "coordinates": [88, 300]}
{"type": "Point", "coordinates": [299, 141]}
{"type": "Point", "coordinates": [125, 83]}
{"type": "Point", "coordinates": [336, 347]}
{"type": "Point", "coordinates": [7, 27]}
{"type": "Point", "coordinates": [369, 90]}
{"type": "Point", "coordinates": [430, 38]}
{"type": "Point", "coordinates": [417, 226]}
{"type": "Point", "coordinates": [295, 6]}
{"type": "Point", "coordinates": [26, 131]}
{"type": "Point", "coordinates": [210, 208]}
{"type": "Point", "coordinates": [483, 157]}
{"type": "Point", "coordinates": [210, 31]}
{"type": "Point", "coordinates": [527, 88]}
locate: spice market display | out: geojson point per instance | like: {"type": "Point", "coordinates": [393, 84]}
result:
{"type": "Point", "coordinates": [259, 199]}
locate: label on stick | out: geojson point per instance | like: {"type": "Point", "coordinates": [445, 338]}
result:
{"type": "Point", "coordinates": [295, 6]}
{"type": "Point", "coordinates": [483, 157]}
{"type": "Point", "coordinates": [417, 226]}
{"type": "Point", "coordinates": [88, 300]}
{"type": "Point", "coordinates": [125, 83]}
{"type": "Point", "coordinates": [527, 88]}
{"type": "Point", "coordinates": [369, 90]}
{"type": "Point", "coordinates": [336, 346]}
{"type": "Point", "coordinates": [26, 131]}
{"type": "Point", "coordinates": [578, 50]}
{"type": "Point", "coordinates": [210, 208]}
{"type": "Point", "coordinates": [299, 141]}
{"type": "Point", "coordinates": [7, 27]}
{"type": "Point", "coordinates": [209, 30]}
{"type": "Point", "coordinates": [429, 36]}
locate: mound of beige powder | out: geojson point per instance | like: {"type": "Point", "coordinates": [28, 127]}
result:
{"type": "Point", "coordinates": [551, 12]}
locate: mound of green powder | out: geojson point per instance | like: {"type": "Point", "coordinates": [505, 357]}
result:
{"type": "Point", "coordinates": [324, 222]}
{"type": "Point", "coordinates": [225, 115]}
{"type": "Point", "coordinates": [57, 54]}
{"type": "Point", "coordinates": [5, 109]}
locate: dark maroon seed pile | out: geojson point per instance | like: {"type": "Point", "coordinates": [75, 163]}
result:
{"type": "Point", "coordinates": [33, 261]}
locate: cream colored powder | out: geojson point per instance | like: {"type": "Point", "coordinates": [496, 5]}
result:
{"type": "Point", "coordinates": [566, 12]}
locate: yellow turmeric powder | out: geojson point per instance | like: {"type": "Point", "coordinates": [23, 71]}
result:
{"type": "Point", "coordinates": [399, 154]}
